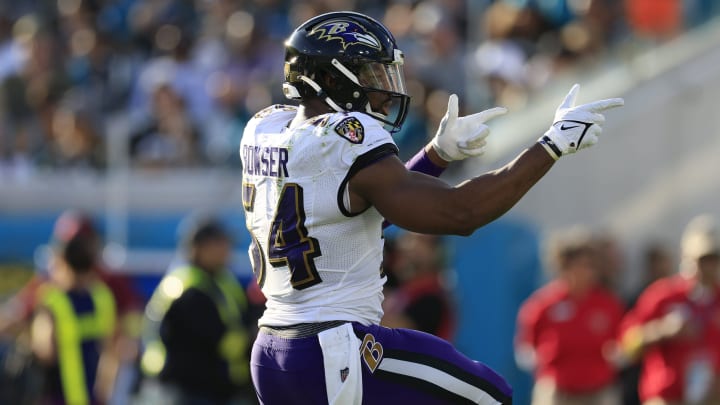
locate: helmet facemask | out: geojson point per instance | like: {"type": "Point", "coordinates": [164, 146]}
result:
{"type": "Point", "coordinates": [377, 89]}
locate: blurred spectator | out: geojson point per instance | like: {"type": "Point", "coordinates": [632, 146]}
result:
{"type": "Point", "coordinates": [244, 75]}
{"type": "Point", "coordinates": [503, 58]}
{"type": "Point", "coordinates": [16, 313]}
{"type": "Point", "coordinates": [74, 322]}
{"type": "Point", "coordinates": [655, 18]}
{"type": "Point", "coordinates": [175, 66]}
{"type": "Point", "coordinates": [421, 300]}
{"type": "Point", "coordinates": [106, 59]}
{"type": "Point", "coordinates": [674, 329]}
{"type": "Point", "coordinates": [30, 95]}
{"type": "Point", "coordinates": [610, 261]}
{"type": "Point", "coordinates": [73, 142]}
{"type": "Point", "coordinates": [196, 340]}
{"type": "Point", "coordinates": [391, 256]}
{"type": "Point", "coordinates": [12, 54]}
{"type": "Point", "coordinates": [171, 138]}
{"type": "Point", "coordinates": [658, 263]}
{"type": "Point", "coordinates": [566, 329]}
{"type": "Point", "coordinates": [440, 50]}
{"type": "Point", "coordinates": [94, 61]}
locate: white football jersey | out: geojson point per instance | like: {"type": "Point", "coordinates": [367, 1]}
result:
{"type": "Point", "coordinates": [313, 259]}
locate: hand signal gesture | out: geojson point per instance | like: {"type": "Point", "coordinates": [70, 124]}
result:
{"type": "Point", "coordinates": [458, 138]}
{"type": "Point", "coordinates": [576, 127]}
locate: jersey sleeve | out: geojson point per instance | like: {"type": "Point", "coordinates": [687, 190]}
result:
{"type": "Point", "coordinates": [360, 139]}
{"type": "Point", "coordinates": [270, 115]}
{"type": "Point", "coordinates": [357, 141]}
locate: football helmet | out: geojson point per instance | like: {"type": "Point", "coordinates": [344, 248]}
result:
{"type": "Point", "coordinates": [350, 61]}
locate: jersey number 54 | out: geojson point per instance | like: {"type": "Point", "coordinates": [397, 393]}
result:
{"type": "Point", "coordinates": [288, 242]}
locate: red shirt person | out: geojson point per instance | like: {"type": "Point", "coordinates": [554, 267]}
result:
{"type": "Point", "coordinates": [567, 328]}
{"type": "Point", "coordinates": [674, 328]}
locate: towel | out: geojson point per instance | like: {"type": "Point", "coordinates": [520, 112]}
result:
{"type": "Point", "coordinates": [343, 372]}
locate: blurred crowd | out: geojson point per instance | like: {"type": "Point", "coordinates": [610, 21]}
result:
{"type": "Point", "coordinates": [586, 337]}
{"type": "Point", "coordinates": [178, 79]}
{"type": "Point", "coordinates": [586, 341]}
{"type": "Point", "coordinates": [71, 333]}
{"type": "Point", "coordinates": [79, 332]}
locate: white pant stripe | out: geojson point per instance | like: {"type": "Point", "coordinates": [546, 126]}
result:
{"type": "Point", "coordinates": [437, 377]}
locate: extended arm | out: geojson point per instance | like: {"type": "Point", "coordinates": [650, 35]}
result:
{"type": "Point", "coordinates": [423, 204]}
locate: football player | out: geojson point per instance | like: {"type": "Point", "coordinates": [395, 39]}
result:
{"type": "Point", "coordinates": [319, 179]}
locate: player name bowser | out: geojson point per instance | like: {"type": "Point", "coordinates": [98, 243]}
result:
{"type": "Point", "coordinates": [265, 161]}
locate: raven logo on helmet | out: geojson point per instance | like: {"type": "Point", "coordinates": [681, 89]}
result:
{"type": "Point", "coordinates": [347, 32]}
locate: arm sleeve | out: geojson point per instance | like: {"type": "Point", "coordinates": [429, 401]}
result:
{"type": "Point", "coordinates": [421, 163]}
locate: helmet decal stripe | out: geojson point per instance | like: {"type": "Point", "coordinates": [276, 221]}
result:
{"type": "Point", "coordinates": [347, 32]}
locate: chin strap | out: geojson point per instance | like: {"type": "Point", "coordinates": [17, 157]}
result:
{"type": "Point", "coordinates": [321, 93]}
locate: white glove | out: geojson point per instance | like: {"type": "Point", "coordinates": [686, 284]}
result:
{"type": "Point", "coordinates": [458, 138]}
{"type": "Point", "coordinates": [576, 127]}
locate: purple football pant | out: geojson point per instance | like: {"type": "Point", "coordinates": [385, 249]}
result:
{"type": "Point", "coordinates": [398, 365]}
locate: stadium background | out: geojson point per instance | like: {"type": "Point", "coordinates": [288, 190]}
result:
{"type": "Point", "coordinates": [98, 78]}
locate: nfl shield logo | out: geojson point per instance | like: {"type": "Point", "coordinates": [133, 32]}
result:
{"type": "Point", "coordinates": [344, 374]}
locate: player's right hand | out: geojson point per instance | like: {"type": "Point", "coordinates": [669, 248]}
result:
{"type": "Point", "coordinates": [576, 127]}
{"type": "Point", "coordinates": [459, 138]}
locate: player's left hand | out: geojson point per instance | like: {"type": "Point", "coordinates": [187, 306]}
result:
{"type": "Point", "coordinates": [459, 138]}
{"type": "Point", "coordinates": [576, 127]}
